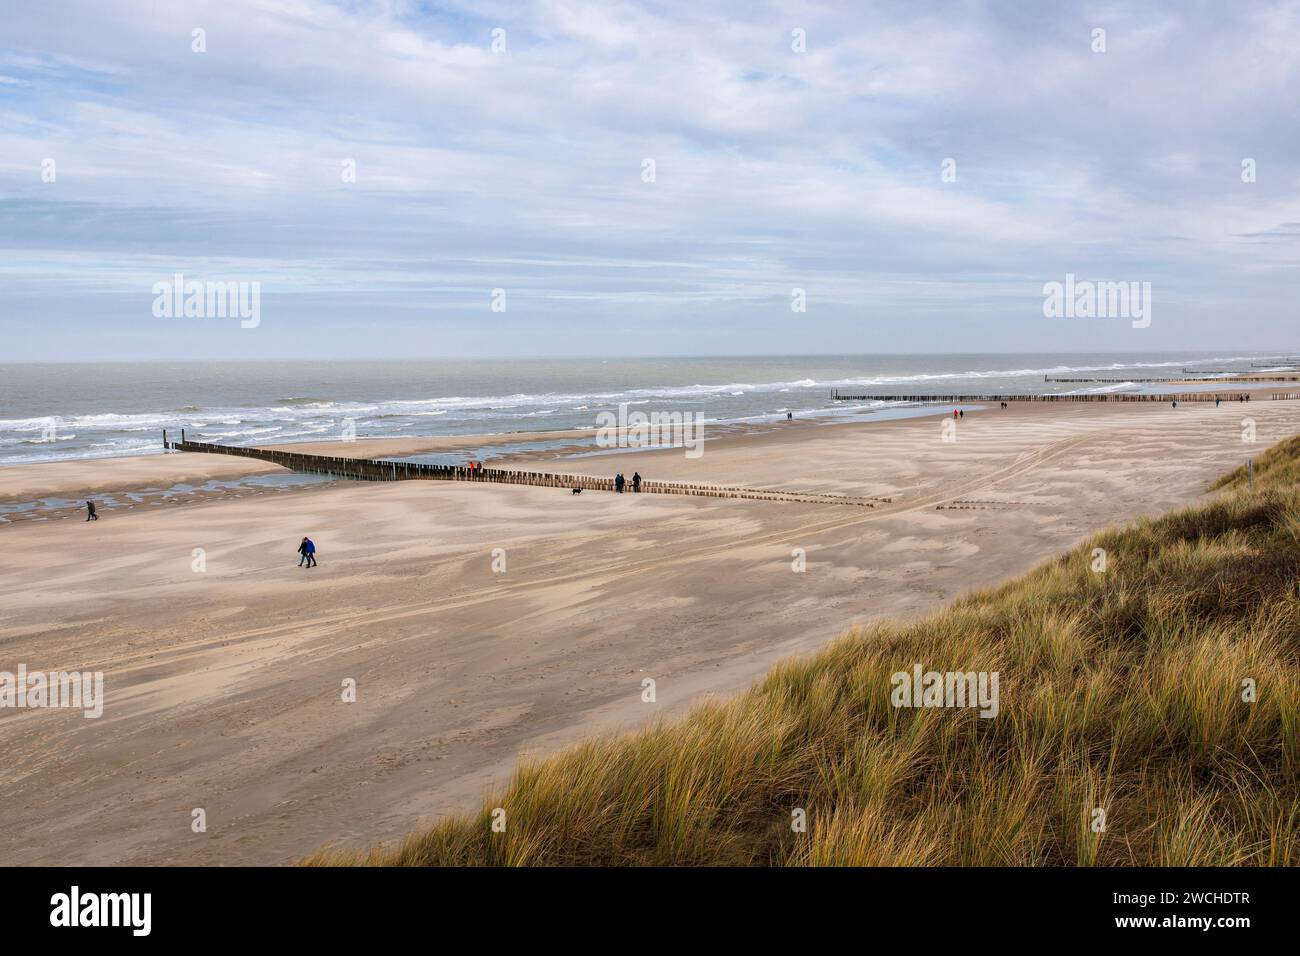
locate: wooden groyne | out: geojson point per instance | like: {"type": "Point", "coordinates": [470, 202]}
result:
{"type": "Point", "coordinates": [374, 469]}
{"type": "Point", "coordinates": [1115, 381]}
{"type": "Point", "coordinates": [1089, 397]}
{"type": "Point", "coordinates": [1181, 378]}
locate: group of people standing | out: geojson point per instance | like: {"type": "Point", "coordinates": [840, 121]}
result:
{"type": "Point", "coordinates": [620, 482]}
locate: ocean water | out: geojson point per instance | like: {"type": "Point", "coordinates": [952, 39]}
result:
{"type": "Point", "coordinates": [51, 412]}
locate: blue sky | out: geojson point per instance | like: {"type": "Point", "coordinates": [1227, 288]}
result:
{"type": "Point", "coordinates": [522, 170]}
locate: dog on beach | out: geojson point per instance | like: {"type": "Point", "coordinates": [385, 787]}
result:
{"type": "Point", "coordinates": [577, 491]}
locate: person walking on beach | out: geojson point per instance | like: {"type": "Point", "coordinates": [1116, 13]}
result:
{"type": "Point", "coordinates": [311, 553]}
{"type": "Point", "coordinates": [962, 413]}
{"type": "Point", "coordinates": [636, 481]}
{"type": "Point", "coordinates": [91, 514]}
{"type": "Point", "coordinates": [618, 482]}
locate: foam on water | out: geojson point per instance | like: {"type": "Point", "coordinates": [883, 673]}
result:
{"type": "Point", "coordinates": [96, 411]}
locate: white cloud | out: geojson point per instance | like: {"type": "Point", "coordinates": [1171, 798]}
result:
{"type": "Point", "coordinates": [822, 164]}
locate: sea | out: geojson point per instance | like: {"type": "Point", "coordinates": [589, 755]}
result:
{"type": "Point", "coordinates": [60, 412]}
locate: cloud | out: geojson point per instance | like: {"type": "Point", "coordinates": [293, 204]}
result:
{"type": "Point", "coordinates": [477, 169]}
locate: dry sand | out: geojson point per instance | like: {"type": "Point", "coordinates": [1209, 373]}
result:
{"type": "Point", "coordinates": [224, 686]}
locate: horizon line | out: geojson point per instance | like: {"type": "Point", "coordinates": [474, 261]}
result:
{"type": "Point", "coordinates": [1280, 355]}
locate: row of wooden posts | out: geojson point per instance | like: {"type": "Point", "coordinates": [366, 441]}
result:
{"type": "Point", "coordinates": [373, 469]}
{"type": "Point", "coordinates": [1090, 397]}
{"type": "Point", "coordinates": [1178, 378]}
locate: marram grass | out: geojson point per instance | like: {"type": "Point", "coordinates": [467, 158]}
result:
{"type": "Point", "coordinates": [1120, 691]}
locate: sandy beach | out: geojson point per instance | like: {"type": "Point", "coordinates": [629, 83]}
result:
{"type": "Point", "coordinates": [224, 686]}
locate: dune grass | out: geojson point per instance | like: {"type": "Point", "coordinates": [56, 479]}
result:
{"type": "Point", "coordinates": [1120, 691]}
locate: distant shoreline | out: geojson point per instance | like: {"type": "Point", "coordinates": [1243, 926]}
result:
{"type": "Point", "coordinates": [84, 412]}
{"type": "Point", "coordinates": [571, 450]}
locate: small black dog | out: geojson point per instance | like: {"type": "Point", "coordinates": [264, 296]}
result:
{"type": "Point", "coordinates": [577, 491]}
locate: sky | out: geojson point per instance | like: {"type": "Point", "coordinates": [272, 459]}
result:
{"type": "Point", "coordinates": [645, 178]}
